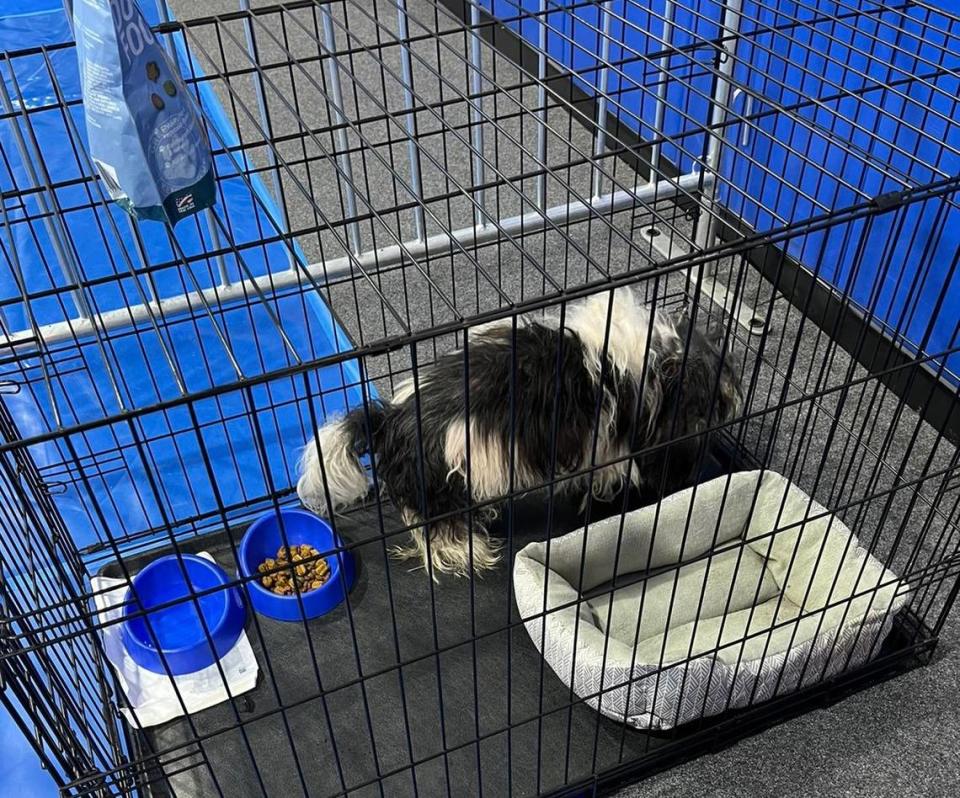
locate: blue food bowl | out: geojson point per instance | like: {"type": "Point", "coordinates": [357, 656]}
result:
{"type": "Point", "coordinates": [263, 539]}
{"type": "Point", "coordinates": [178, 631]}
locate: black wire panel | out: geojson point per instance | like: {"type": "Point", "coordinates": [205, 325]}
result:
{"type": "Point", "coordinates": [433, 687]}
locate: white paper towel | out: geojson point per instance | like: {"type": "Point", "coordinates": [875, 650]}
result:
{"type": "Point", "coordinates": [153, 696]}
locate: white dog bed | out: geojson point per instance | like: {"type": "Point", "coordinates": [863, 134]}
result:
{"type": "Point", "coordinates": [786, 597]}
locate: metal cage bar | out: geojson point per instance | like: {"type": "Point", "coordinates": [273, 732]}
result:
{"type": "Point", "coordinates": [430, 210]}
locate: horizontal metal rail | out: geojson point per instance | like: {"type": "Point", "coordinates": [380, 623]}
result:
{"type": "Point", "coordinates": [369, 261]}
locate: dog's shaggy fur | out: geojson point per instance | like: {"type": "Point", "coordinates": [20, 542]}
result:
{"type": "Point", "coordinates": [543, 403]}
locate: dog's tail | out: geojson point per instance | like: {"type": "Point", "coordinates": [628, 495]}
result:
{"type": "Point", "coordinates": [331, 476]}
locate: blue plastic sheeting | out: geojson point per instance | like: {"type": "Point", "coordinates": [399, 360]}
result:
{"type": "Point", "coordinates": [895, 266]}
{"type": "Point", "coordinates": [149, 472]}
{"type": "Point", "coordinates": [20, 770]}
{"type": "Point", "coordinates": [916, 303]}
{"type": "Point", "coordinates": [573, 40]}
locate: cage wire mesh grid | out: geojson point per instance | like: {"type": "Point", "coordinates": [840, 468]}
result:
{"type": "Point", "coordinates": [390, 175]}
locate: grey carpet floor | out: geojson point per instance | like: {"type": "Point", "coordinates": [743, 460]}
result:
{"type": "Point", "coordinates": [847, 448]}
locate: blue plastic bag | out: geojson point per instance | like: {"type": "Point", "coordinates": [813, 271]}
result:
{"type": "Point", "coordinates": [144, 130]}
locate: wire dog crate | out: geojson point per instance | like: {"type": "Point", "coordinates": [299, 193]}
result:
{"type": "Point", "coordinates": [392, 174]}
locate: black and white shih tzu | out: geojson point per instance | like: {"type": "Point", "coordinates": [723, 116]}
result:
{"type": "Point", "coordinates": [616, 396]}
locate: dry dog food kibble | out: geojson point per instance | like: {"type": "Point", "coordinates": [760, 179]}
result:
{"type": "Point", "coordinates": [299, 565]}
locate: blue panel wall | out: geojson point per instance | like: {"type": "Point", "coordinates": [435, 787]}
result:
{"type": "Point", "coordinates": [898, 268]}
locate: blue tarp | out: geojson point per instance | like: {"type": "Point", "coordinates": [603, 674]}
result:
{"type": "Point", "coordinates": [150, 472]}
{"type": "Point", "coordinates": [20, 769]}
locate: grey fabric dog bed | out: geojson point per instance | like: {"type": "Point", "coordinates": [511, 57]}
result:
{"type": "Point", "coordinates": [774, 593]}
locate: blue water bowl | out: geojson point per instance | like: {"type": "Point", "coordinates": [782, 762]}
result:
{"type": "Point", "coordinates": [177, 630]}
{"type": "Point", "coordinates": [263, 539]}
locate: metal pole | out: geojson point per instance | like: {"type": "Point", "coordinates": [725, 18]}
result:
{"type": "Point", "coordinates": [369, 261]}
{"type": "Point", "coordinates": [336, 112]}
{"type": "Point", "coordinates": [745, 315]}
{"type": "Point", "coordinates": [600, 140]}
{"type": "Point", "coordinates": [416, 184]}
{"type": "Point", "coordinates": [660, 108]}
{"type": "Point", "coordinates": [476, 124]}
{"type": "Point", "coordinates": [730, 28]}
{"type": "Point", "coordinates": [267, 127]}
{"type": "Point", "coordinates": [541, 112]}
